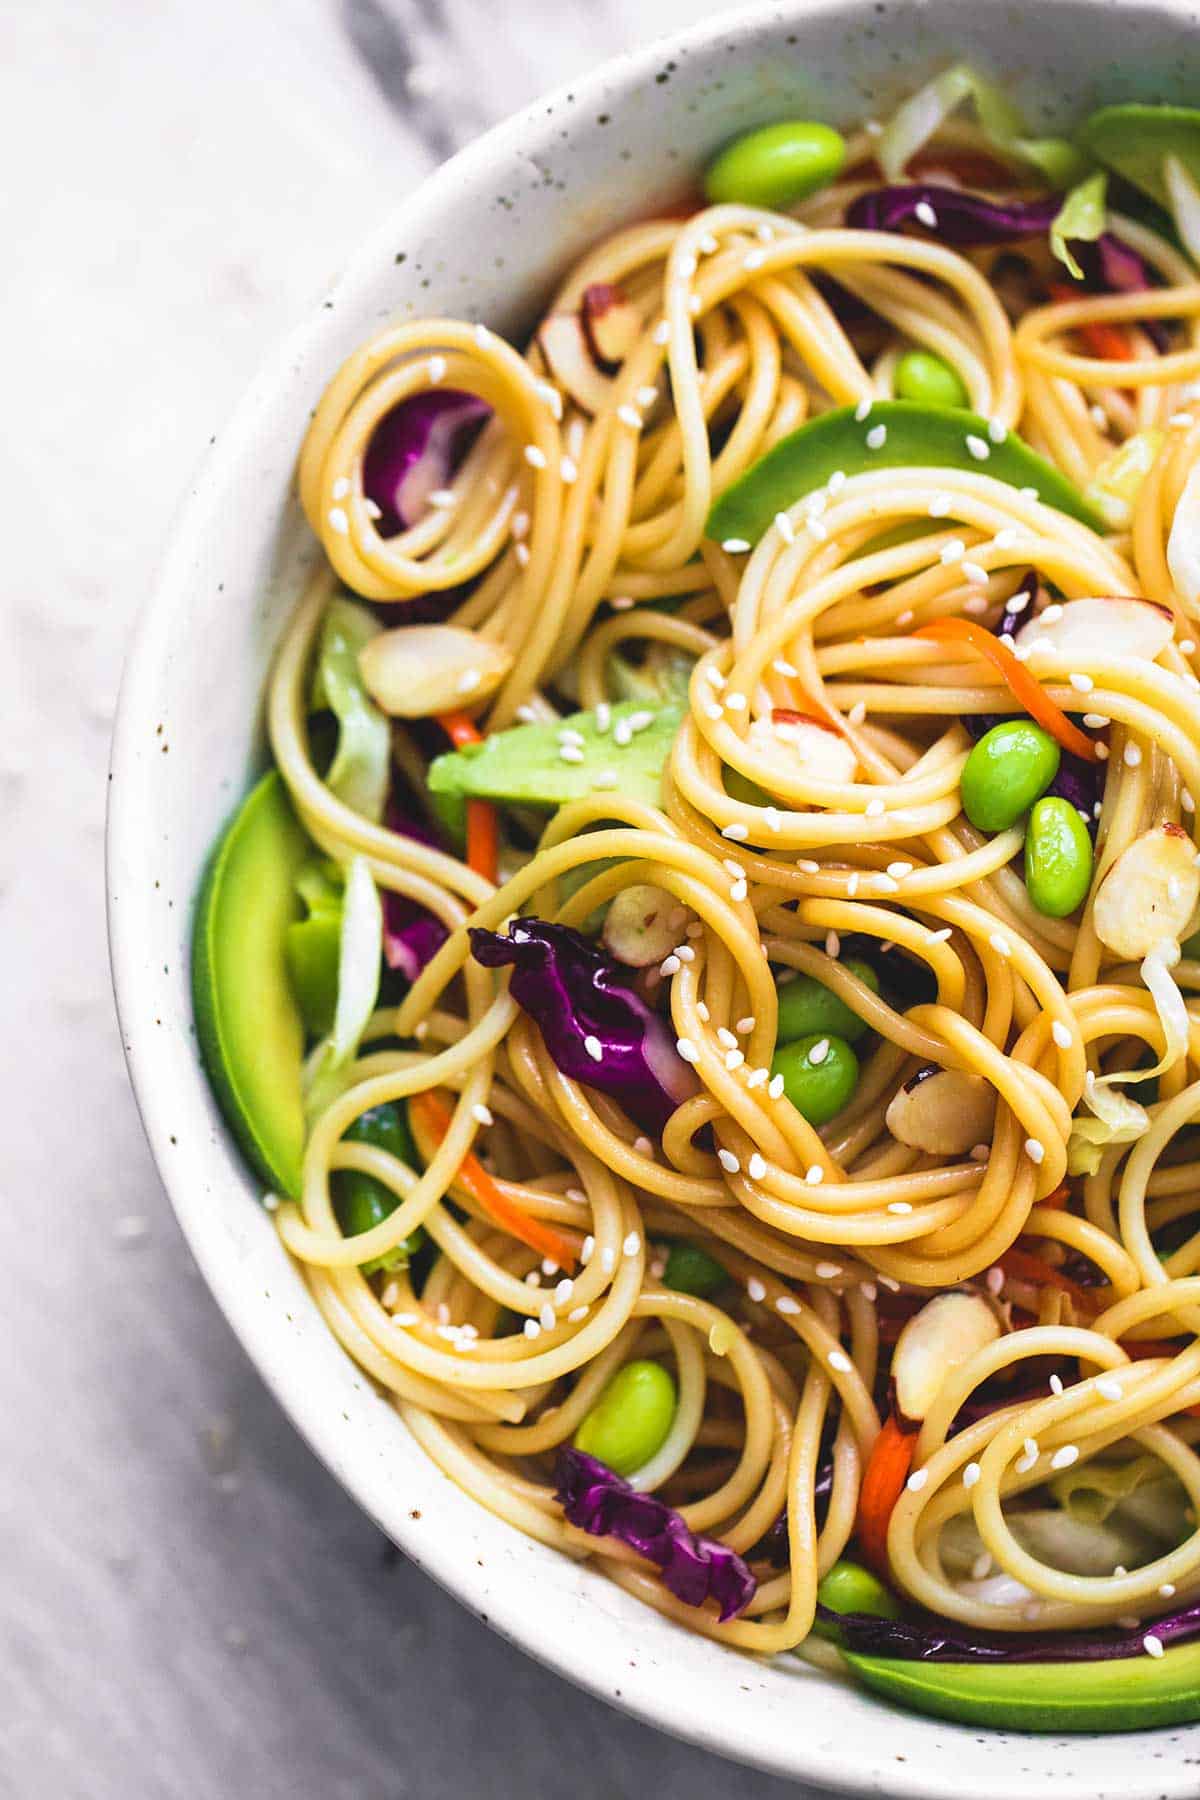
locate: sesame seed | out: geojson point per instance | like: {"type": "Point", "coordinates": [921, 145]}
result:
{"type": "Point", "coordinates": [857, 713]}
{"type": "Point", "coordinates": [875, 808]}
{"type": "Point", "coordinates": [468, 681]}
{"type": "Point", "coordinates": [1000, 943]}
{"type": "Point", "coordinates": [908, 615]}
{"type": "Point", "coordinates": [852, 885]}
{"type": "Point", "coordinates": [975, 572]}
{"type": "Point", "coordinates": [570, 753]}
{"type": "Point", "coordinates": [978, 447]}
{"type": "Point", "coordinates": [687, 1050]}
{"type": "Point", "coordinates": [756, 1289]}
{"type": "Point", "coordinates": [1108, 1388]}
{"type": "Point", "coordinates": [338, 521]}
{"type": "Point", "coordinates": [535, 457]}
{"type": "Point", "coordinates": [899, 1206]}
{"type": "Point", "coordinates": [738, 892]}
{"type": "Point", "coordinates": [1167, 1589]}
{"type": "Point", "coordinates": [629, 415]}
{"type": "Point", "coordinates": [1061, 1035]}
{"type": "Point", "coordinates": [775, 1087]}
{"type": "Point", "coordinates": [734, 701]}
{"type": "Point", "coordinates": [1056, 1386]}
{"type": "Point", "coordinates": [643, 1146]}
{"type": "Point", "coordinates": [953, 550]}
{"type": "Point", "coordinates": [729, 1162]}
{"type": "Point", "coordinates": [1188, 646]}
{"type": "Point", "coordinates": [632, 1244]}
{"type": "Point", "coordinates": [756, 1077]}
{"type": "Point", "coordinates": [785, 528]}
{"type": "Point", "coordinates": [943, 936]}
{"type": "Point", "coordinates": [532, 1329]}
{"type": "Point", "coordinates": [646, 396]}
{"type": "Point", "coordinates": [547, 391]}
{"type": "Point", "coordinates": [594, 1048]}
{"type": "Point", "coordinates": [546, 1318]}
{"type": "Point", "coordinates": [713, 709]}
{"type": "Point", "coordinates": [606, 778]}
{"type": "Point", "coordinates": [622, 603]}
{"type": "Point", "coordinates": [839, 1361]}
{"type": "Point", "coordinates": [877, 437]}
{"type": "Point", "coordinates": [735, 545]}
{"type": "Point", "coordinates": [814, 1175]}
{"type": "Point", "coordinates": [819, 1051]}
{"type": "Point", "coordinates": [744, 1025]}
{"type": "Point", "coordinates": [898, 870]}
{"type": "Point", "coordinates": [756, 1168]}
{"type": "Point", "coordinates": [687, 267]}
{"type": "Point", "coordinates": [661, 334]}
{"type": "Point", "coordinates": [482, 1114]}
{"type": "Point", "coordinates": [736, 831]}
{"type": "Point", "coordinates": [670, 965]}
{"type": "Point", "coordinates": [341, 488]}
{"type": "Point", "coordinates": [577, 1315]}
{"type": "Point", "coordinates": [567, 470]}
{"type": "Point", "coordinates": [1133, 756]}
{"type": "Point", "coordinates": [833, 944]}
{"type": "Point", "coordinates": [836, 482]}
{"type": "Point", "coordinates": [863, 409]}
{"type": "Point", "coordinates": [521, 552]}
{"type": "Point", "coordinates": [1152, 1645]}
{"type": "Point", "coordinates": [1035, 1150]}
{"type": "Point", "coordinates": [925, 213]}
{"type": "Point", "coordinates": [1062, 1459]}
{"type": "Point", "coordinates": [608, 1259]}
{"type": "Point", "coordinates": [941, 506]}
{"type": "Point", "coordinates": [734, 1059]}
{"type": "Point", "coordinates": [754, 259]}
{"type": "Point", "coordinates": [372, 511]}
{"type": "Point", "coordinates": [917, 1480]}
{"type": "Point", "coordinates": [685, 953]}
{"type": "Point", "coordinates": [726, 1037]}
{"type": "Point", "coordinates": [975, 603]}
{"type": "Point", "coordinates": [437, 369]}
{"type": "Point", "coordinates": [483, 336]}
{"type": "Point", "coordinates": [997, 431]}
{"type": "Point", "coordinates": [1097, 721]}
{"type": "Point", "coordinates": [442, 498]}
{"type": "Point", "coordinates": [589, 1247]}
{"type": "Point", "coordinates": [1083, 684]}
{"type": "Point", "coordinates": [1028, 1456]}
{"type": "Point", "coordinates": [781, 666]}
{"type": "Point", "coordinates": [708, 244]}
{"type": "Point", "coordinates": [787, 1304]}
{"type": "Point", "coordinates": [827, 1271]}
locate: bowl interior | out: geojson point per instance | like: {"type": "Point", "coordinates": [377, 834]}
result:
{"type": "Point", "coordinates": [484, 239]}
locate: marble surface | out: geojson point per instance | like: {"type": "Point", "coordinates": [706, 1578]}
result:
{"type": "Point", "coordinates": [191, 1607]}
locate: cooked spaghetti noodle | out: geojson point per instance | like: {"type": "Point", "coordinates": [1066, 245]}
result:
{"type": "Point", "coordinates": [575, 539]}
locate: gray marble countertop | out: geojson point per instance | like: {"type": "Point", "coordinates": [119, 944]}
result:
{"type": "Point", "coordinates": [191, 1607]}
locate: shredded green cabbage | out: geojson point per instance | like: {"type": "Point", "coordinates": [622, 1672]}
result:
{"type": "Point", "coordinates": [360, 771]}
{"type": "Point", "coordinates": [1081, 215]}
{"type": "Point", "coordinates": [920, 116]}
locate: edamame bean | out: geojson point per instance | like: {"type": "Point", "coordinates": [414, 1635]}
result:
{"type": "Point", "coordinates": [1010, 766]}
{"type": "Point", "coordinates": [806, 1005]}
{"type": "Point", "coordinates": [630, 1421]}
{"type": "Point", "coordinates": [1058, 857]}
{"type": "Point", "coordinates": [691, 1270]}
{"type": "Point", "coordinates": [820, 1074]}
{"type": "Point", "coordinates": [849, 1588]}
{"type": "Point", "coordinates": [776, 165]}
{"type": "Point", "coordinates": [928, 379]}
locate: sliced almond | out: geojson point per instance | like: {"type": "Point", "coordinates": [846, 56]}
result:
{"type": "Point", "coordinates": [637, 928]}
{"type": "Point", "coordinates": [612, 325]}
{"type": "Point", "coordinates": [416, 670]}
{"type": "Point", "coordinates": [797, 746]}
{"type": "Point", "coordinates": [945, 1333]}
{"type": "Point", "coordinates": [1149, 894]}
{"type": "Point", "coordinates": [565, 346]}
{"type": "Point", "coordinates": [1119, 626]}
{"type": "Point", "coordinates": [945, 1112]}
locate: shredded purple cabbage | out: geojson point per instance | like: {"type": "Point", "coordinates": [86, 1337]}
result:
{"type": "Point", "coordinates": [412, 936]}
{"type": "Point", "coordinates": [963, 218]}
{"type": "Point", "coordinates": [929, 1639]}
{"type": "Point", "coordinates": [1111, 266]}
{"type": "Point", "coordinates": [577, 995]}
{"type": "Point", "coordinates": [694, 1568]}
{"type": "Point", "coordinates": [414, 450]}
{"type": "Point", "coordinates": [1016, 608]}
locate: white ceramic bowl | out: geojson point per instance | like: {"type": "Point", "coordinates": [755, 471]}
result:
{"type": "Point", "coordinates": [484, 237]}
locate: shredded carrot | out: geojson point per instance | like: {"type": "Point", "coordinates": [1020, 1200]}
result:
{"type": "Point", "coordinates": [882, 1484]}
{"type": "Point", "coordinates": [1031, 694]}
{"type": "Point", "coordinates": [433, 1117]}
{"type": "Point", "coordinates": [1024, 1265]}
{"type": "Point", "coordinates": [1101, 336]}
{"type": "Point", "coordinates": [1059, 1199]}
{"type": "Point", "coordinates": [483, 830]}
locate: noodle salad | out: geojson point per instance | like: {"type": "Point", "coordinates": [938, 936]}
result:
{"type": "Point", "coordinates": [710, 981]}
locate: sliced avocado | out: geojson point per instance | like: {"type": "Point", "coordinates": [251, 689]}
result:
{"type": "Point", "coordinates": [312, 946]}
{"type": "Point", "coordinates": [917, 436]}
{"type": "Point", "coordinates": [1135, 140]}
{"type": "Point", "coordinates": [248, 1023]}
{"type": "Point", "coordinates": [525, 767]}
{"type": "Point", "coordinates": [1127, 1693]}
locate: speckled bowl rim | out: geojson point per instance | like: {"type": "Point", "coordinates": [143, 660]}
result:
{"type": "Point", "coordinates": [564, 1614]}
